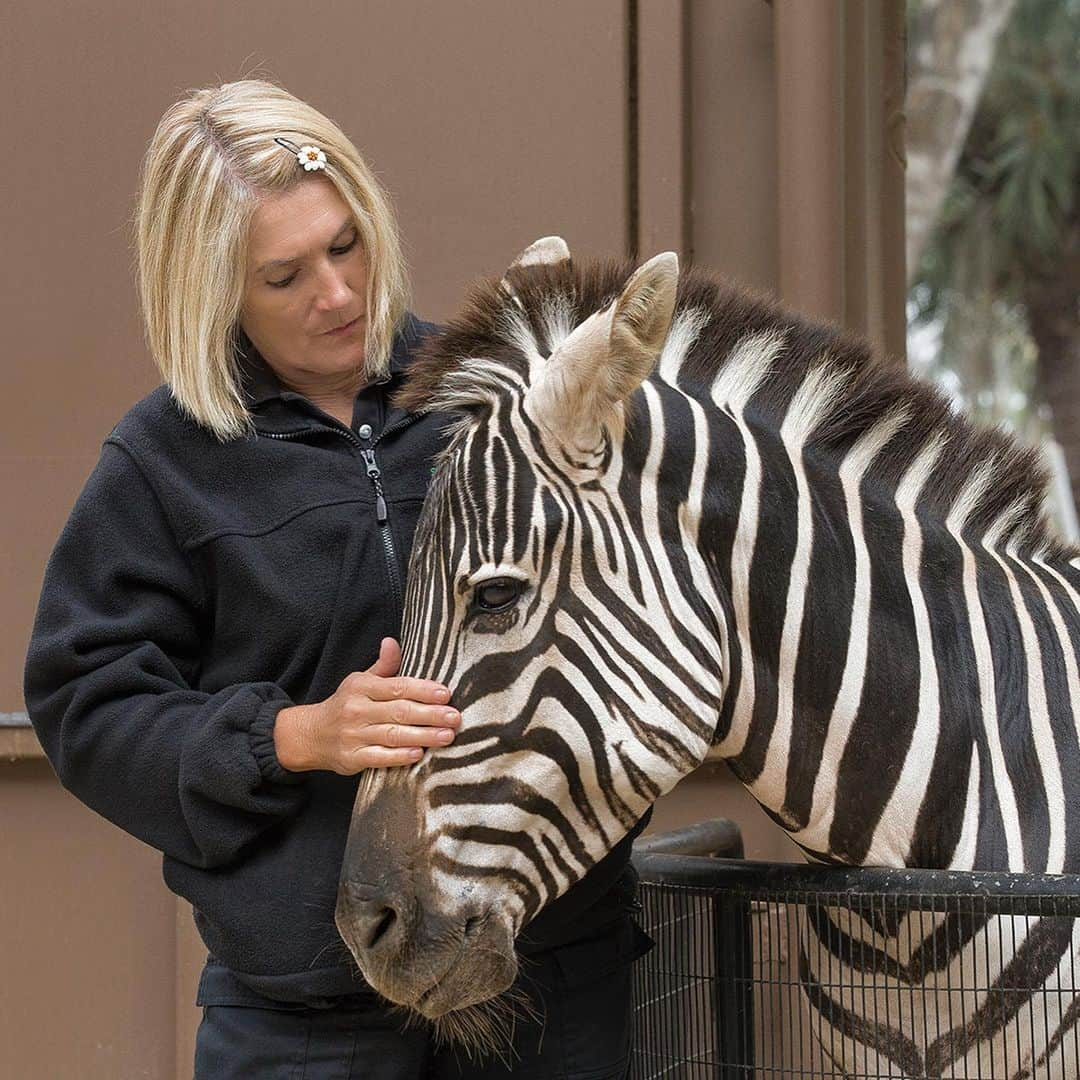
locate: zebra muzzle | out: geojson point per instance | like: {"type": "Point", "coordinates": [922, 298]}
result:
{"type": "Point", "coordinates": [414, 954]}
{"type": "Point", "coordinates": [419, 938]}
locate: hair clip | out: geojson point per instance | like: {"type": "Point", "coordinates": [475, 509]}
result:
{"type": "Point", "coordinates": [311, 157]}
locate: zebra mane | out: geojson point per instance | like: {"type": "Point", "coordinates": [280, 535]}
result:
{"type": "Point", "coordinates": [492, 348]}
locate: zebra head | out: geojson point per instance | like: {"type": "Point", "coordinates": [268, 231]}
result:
{"type": "Point", "coordinates": [551, 588]}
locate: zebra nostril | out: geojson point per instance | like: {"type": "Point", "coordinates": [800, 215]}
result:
{"type": "Point", "coordinates": [473, 925]}
{"type": "Point", "coordinates": [371, 919]}
{"type": "Point", "coordinates": [381, 928]}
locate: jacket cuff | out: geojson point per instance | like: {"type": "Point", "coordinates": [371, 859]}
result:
{"type": "Point", "coordinates": [261, 734]}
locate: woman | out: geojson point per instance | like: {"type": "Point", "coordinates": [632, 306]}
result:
{"type": "Point", "coordinates": [213, 661]}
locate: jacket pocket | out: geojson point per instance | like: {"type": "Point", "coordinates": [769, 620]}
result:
{"type": "Point", "coordinates": [278, 593]}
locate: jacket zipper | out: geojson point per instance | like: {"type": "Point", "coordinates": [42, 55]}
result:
{"type": "Point", "coordinates": [375, 475]}
{"type": "Point", "coordinates": [384, 525]}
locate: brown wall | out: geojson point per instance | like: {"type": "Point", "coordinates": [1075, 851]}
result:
{"type": "Point", "coordinates": [87, 932]}
{"type": "Point", "coordinates": [491, 124]}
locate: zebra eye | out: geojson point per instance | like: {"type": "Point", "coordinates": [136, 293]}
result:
{"type": "Point", "coordinates": [497, 594]}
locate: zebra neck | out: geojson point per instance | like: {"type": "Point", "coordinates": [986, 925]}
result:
{"type": "Point", "coordinates": [895, 691]}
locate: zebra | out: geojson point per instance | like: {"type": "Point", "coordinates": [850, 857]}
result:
{"type": "Point", "coordinates": [673, 517]}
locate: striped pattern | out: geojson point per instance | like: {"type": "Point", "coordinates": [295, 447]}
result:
{"type": "Point", "coordinates": [776, 545]}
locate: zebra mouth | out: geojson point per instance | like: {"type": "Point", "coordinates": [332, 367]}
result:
{"type": "Point", "coordinates": [437, 1000]}
{"type": "Point", "coordinates": [428, 1002]}
{"type": "Point", "coordinates": [480, 969]}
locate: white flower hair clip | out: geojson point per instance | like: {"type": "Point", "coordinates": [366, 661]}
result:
{"type": "Point", "coordinates": [311, 157]}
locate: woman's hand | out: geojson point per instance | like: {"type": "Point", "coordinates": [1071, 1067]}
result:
{"type": "Point", "coordinates": [373, 720]}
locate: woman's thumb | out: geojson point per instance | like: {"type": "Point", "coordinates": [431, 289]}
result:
{"type": "Point", "coordinates": [389, 659]}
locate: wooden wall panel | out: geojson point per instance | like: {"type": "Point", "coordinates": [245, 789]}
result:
{"type": "Point", "coordinates": [491, 124]}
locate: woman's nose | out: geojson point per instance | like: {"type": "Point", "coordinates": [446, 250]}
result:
{"type": "Point", "coordinates": [334, 291]}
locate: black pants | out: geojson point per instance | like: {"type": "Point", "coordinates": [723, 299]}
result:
{"type": "Point", "coordinates": [580, 991]}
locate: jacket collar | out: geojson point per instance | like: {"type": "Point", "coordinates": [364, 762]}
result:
{"type": "Point", "coordinates": [260, 384]}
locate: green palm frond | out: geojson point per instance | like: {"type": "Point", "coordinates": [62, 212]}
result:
{"type": "Point", "coordinates": [1021, 160]}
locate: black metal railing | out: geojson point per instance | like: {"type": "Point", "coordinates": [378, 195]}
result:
{"type": "Point", "coordinates": [780, 970]}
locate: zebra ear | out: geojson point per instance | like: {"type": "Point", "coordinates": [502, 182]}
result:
{"type": "Point", "coordinates": [586, 380]}
{"type": "Point", "coordinates": [548, 250]}
{"type": "Point", "coordinates": [642, 318]}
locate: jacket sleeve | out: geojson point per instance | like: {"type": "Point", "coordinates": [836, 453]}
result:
{"type": "Point", "coordinates": [108, 683]}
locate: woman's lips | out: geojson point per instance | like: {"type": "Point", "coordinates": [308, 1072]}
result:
{"type": "Point", "coordinates": [343, 330]}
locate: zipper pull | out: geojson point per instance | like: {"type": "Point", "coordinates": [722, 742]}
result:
{"type": "Point", "coordinates": [369, 460]}
{"type": "Point", "coordinates": [374, 473]}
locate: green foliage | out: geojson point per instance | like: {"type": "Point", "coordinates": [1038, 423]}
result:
{"type": "Point", "coordinates": [1011, 205]}
{"type": "Point", "coordinates": [1016, 181]}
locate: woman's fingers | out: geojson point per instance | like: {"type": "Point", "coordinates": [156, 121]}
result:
{"type": "Point", "coordinates": [389, 659]}
{"type": "Point", "coordinates": [397, 735]}
{"type": "Point", "coordinates": [387, 745]}
{"type": "Point", "coordinates": [402, 688]}
{"type": "Point", "coordinates": [407, 713]}
{"type": "Point", "coordinates": [378, 719]}
{"type": "Point", "coordinates": [381, 757]}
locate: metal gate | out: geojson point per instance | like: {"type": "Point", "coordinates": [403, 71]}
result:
{"type": "Point", "coordinates": [778, 970]}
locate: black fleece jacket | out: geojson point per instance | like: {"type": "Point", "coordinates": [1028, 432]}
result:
{"type": "Point", "coordinates": [196, 589]}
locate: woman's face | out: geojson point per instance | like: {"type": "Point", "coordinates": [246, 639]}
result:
{"type": "Point", "coordinates": [306, 275]}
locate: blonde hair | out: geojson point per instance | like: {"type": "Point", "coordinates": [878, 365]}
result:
{"type": "Point", "coordinates": [210, 162]}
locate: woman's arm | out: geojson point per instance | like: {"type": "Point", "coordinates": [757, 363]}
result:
{"type": "Point", "coordinates": [113, 655]}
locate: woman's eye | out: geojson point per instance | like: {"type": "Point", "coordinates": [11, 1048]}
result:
{"type": "Point", "coordinates": [498, 594]}
{"type": "Point", "coordinates": [333, 251]}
